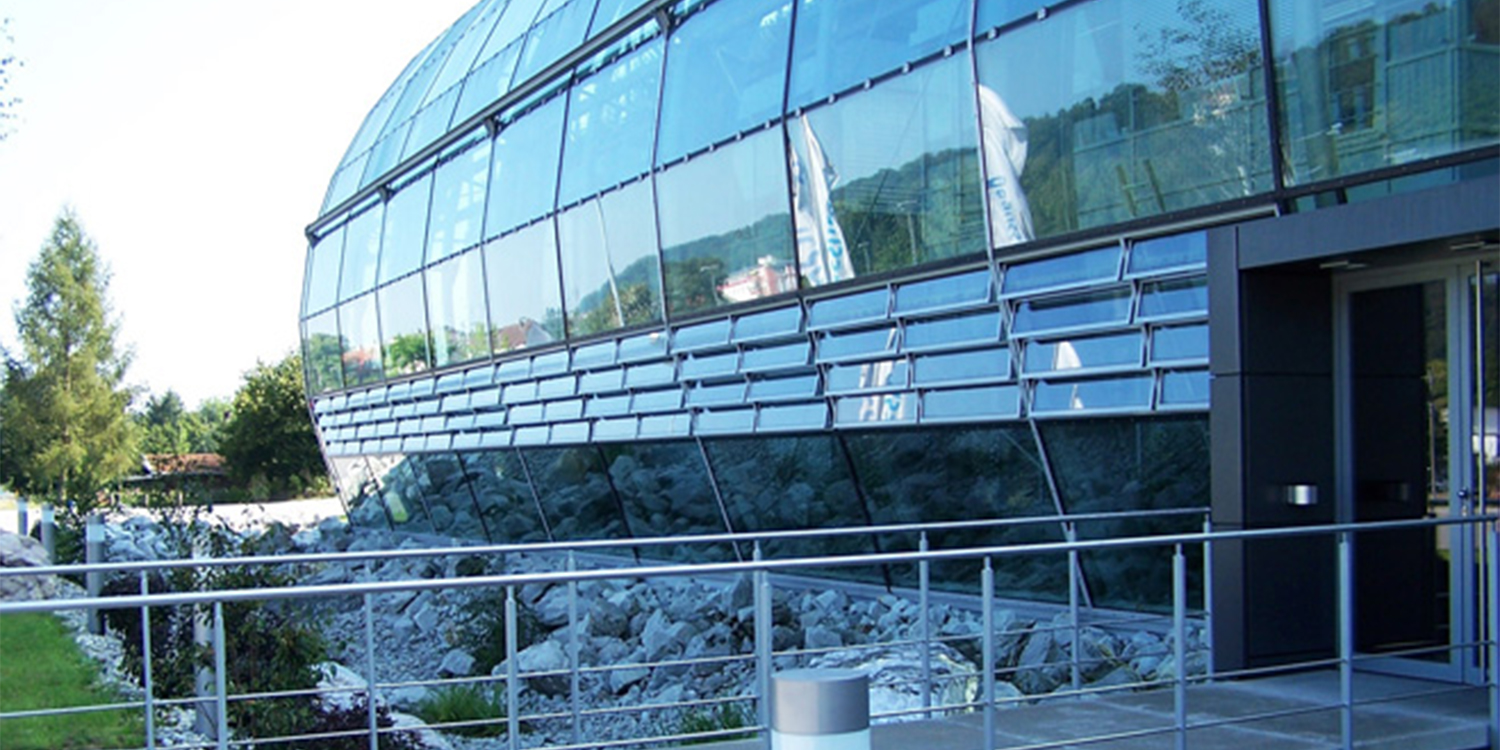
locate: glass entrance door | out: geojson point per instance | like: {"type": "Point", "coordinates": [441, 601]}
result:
{"type": "Point", "coordinates": [1417, 362]}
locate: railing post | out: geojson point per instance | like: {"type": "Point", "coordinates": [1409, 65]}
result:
{"type": "Point", "coordinates": [1070, 533]}
{"type": "Point", "coordinates": [23, 521]}
{"type": "Point", "coordinates": [573, 649]}
{"type": "Point", "coordinates": [512, 674]}
{"type": "Point", "coordinates": [924, 579]}
{"type": "Point", "coordinates": [221, 678]}
{"type": "Point", "coordinates": [1179, 630]}
{"type": "Point", "coordinates": [93, 555]}
{"type": "Point", "coordinates": [987, 647]}
{"type": "Point", "coordinates": [1346, 640]}
{"type": "Point", "coordinates": [1494, 627]}
{"type": "Point", "coordinates": [763, 644]}
{"type": "Point", "coordinates": [146, 679]}
{"type": "Point", "coordinates": [370, 671]}
{"type": "Point", "coordinates": [49, 532]}
{"type": "Point", "coordinates": [1208, 593]}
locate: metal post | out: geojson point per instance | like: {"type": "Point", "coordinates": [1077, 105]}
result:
{"type": "Point", "coordinates": [512, 673]}
{"type": "Point", "coordinates": [370, 671]}
{"type": "Point", "coordinates": [924, 578]}
{"type": "Point", "coordinates": [574, 648]}
{"type": "Point", "coordinates": [763, 626]}
{"type": "Point", "coordinates": [221, 678]}
{"type": "Point", "coordinates": [1494, 627]}
{"type": "Point", "coordinates": [1208, 594]}
{"type": "Point", "coordinates": [1346, 641]}
{"type": "Point", "coordinates": [49, 531]}
{"type": "Point", "coordinates": [1179, 629]}
{"type": "Point", "coordinates": [23, 522]}
{"type": "Point", "coordinates": [1070, 532]}
{"type": "Point", "coordinates": [93, 555]}
{"type": "Point", "coordinates": [146, 681]}
{"type": "Point", "coordinates": [987, 646]}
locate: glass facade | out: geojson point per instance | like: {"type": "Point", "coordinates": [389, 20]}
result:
{"type": "Point", "coordinates": [782, 264]}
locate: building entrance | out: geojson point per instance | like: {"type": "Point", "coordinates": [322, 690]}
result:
{"type": "Point", "coordinates": [1418, 351]}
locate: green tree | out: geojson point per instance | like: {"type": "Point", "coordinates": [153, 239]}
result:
{"type": "Point", "coordinates": [64, 426]}
{"type": "Point", "coordinates": [268, 442]}
{"type": "Point", "coordinates": [8, 63]}
{"type": "Point", "coordinates": [168, 427]}
{"type": "Point", "coordinates": [207, 425]}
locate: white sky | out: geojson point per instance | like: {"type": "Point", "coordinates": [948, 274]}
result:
{"type": "Point", "coordinates": [195, 139]}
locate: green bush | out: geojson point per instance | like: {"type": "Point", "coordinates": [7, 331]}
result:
{"type": "Point", "coordinates": [464, 703]}
{"type": "Point", "coordinates": [481, 629]}
{"type": "Point", "coordinates": [722, 717]}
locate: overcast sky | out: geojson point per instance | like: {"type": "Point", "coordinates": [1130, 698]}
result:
{"type": "Point", "coordinates": [194, 139]}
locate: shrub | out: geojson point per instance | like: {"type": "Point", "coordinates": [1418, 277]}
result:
{"type": "Point", "coordinates": [464, 703]}
{"type": "Point", "coordinates": [481, 629]}
{"type": "Point", "coordinates": [718, 718]}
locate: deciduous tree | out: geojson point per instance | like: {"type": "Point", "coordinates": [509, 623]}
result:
{"type": "Point", "coordinates": [268, 441]}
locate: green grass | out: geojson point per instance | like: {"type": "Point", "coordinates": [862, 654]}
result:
{"type": "Point", "coordinates": [464, 703]}
{"type": "Point", "coordinates": [41, 667]}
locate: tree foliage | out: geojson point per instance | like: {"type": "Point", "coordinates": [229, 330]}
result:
{"type": "Point", "coordinates": [63, 426]}
{"type": "Point", "coordinates": [268, 441]}
{"type": "Point", "coordinates": [168, 427]}
{"type": "Point", "coordinates": [8, 63]}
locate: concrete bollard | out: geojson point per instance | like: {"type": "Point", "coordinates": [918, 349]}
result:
{"type": "Point", "coordinates": [93, 551]}
{"type": "Point", "coordinates": [820, 709]}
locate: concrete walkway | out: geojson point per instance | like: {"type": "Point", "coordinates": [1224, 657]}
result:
{"type": "Point", "coordinates": [1401, 714]}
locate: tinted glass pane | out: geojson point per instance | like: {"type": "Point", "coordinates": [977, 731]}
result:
{"type": "Point", "coordinates": [559, 31]}
{"type": "Point", "coordinates": [837, 346]}
{"type": "Point", "coordinates": [1162, 253]}
{"type": "Point", "coordinates": [888, 178]}
{"type": "Point", "coordinates": [360, 327]}
{"type": "Point", "coordinates": [1071, 355]}
{"type": "Point", "coordinates": [725, 71]}
{"type": "Point", "coordinates": [357, 489]}
{"type": "Point", "coordinates": [573, 486]}
{"type": "Point", "coordinates": [780, 323]}
{"type": "Point", "coordinates": [458, 203]}
{"type": "Point", "coordinates": [947, 332]}
{"type": "Point", "coordinates": [996, 12]}
{"type": "Point", "coordinates": [611, 276]}
{"type": "Point", "coordinates": [1076, 311]}
{"type": "Point", "coordinates": [1090, 267]}
{"type": "Point", "coordinates": [1141, 108]}
{"type": "Point", "coordinates": [986, 364]}
{"type": "Point", "coordinates": [429, 123]}
{"type": "Point", "coordinates": [323, 272]}
{"type": "Point", "coordinates": [840, 43]}
{"type": "Point", "coordinates": [725, 227]}
{"type": "Point", "coordinates": [322, 352]}
{"type": "Point", "coordinates": [1184, 388]}
{"type": "Point", "coordinates": [504, 497]}
{"type": "Point", "coordinates": [876, 409]}
{"type": "Point", "coordinates": [402, 496]}
{"type": "Point", "coordinates": [971, 404]}
{"type": "Point", "coordinates": [1179, 343]}
{"type": "Point", "coordinates": [456, 310]}
{"type": "Point", "coordinates": [1168, 299]}
{"type": "Point", "coordinates": [1092, 395]}
{"type": "Point", "coordinates": [610, 11]}
{"type": "Point", "coordinates": [523, 175]}
{"type": "Point", "coordinates": [405, 229]}
{"type": "Point", "coordinates": [947, 293]}
{"type": "Point", "coordinates": [361, 252]}
{"type": "Point", "coordinates": [525, 303]}
{"type": "Point", "coordinates": [1105, 465]}
{"type": "Point", "coordinates": [611, 120]}
{"type": "Point", "coordinates": [1383, 82]}
{"type": "Point", "coordinates": [882, 375]}
{"type": "Point", "coordinates": [487, 83]}
{"type": "Point", "coordinates": [665, 491]}
{"type": "Point", "coordinates": [403, 327]}
{"type": "Point", "coordinates": [854, 308]}
{"type": "Point", "coordinates": [440, 477]}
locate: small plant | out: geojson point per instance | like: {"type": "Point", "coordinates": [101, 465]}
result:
{"type": "Point", "coordinates": [457, 703]}
{"type": "Point", "coordinates": [722, 717]}
{"type": "Point", "coordinates": [481, 629]}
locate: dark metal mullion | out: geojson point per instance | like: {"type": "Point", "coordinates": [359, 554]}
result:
{"type": "Point", "coordinates": [664, 19]}
{"type": "Point", "coordinates": [614, 492]}
{"type": "Point", "coordinates": [1273, 99]}
{"type": "Point", "coordinates": [713, 484]}
{"type": "Point", "coordinates": [463, 466]}
{"type": "Point", "coordinates": [492, 131]}
{"type": "Point", "coordinates": [1057, 503]}
{"type": "Point", "coordinates": [536, 495]}
{"type": "Point", "coordinates": [783, 117]}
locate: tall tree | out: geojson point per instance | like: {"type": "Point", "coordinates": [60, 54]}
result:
{"type": "Point", "coordinates": [268, 442]}
{"type": "Point", "coordinates": [64, 424]}
{"type": "Point", "coordinates": [8, 63]}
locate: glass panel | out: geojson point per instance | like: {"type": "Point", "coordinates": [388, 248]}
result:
{"type": "Point", "coordinates": [405, 229]}
{"type": "Point", "coordinates": [1078, 269]}
{"type": "Point", "coordinates": [1179, 251]}
{"type": "Point", "coordinates": [784, 389]}
{"type": "Point", "coordinates": [717, 395]}
{"type": "Point", "coordinates": [702, 335]}
{"type": "Point", "coordinates": [855, 308]}
{"type": "Point", "coordinates": [1141, 108]}
{"type": "Point", "coordinates": [1082, 355]}
{"type": "Point", "coordinates": [456, 309]}
{"type": "Point", "coordinates": [1383, 82]}
{"type": "Point", "coordinates": [575, 494]}
{"type": "Point", "coordinates": [971, 404]}
{"type": "Point", "coordinates": [612, 406]}
{"type": "Point", "coordinates": [976, 366]}
{"type": "Point", "coordinates": [556, 387]}
{"type": "Point", "coordinates": [441, 480]}
{"type": "Point", "coordinates": [1179, 343]}
{"type": "Point", "coordinates": [525, 306]}
{"type": "Point", "coordinates": [611, 275]}
{"type": "Point", "coordinates": [721, 422]}
{"type": "Point", "coordinates": [550, 363]}
{"type": "Point", "coordinates": [1092, 395]}
{"type": "Point", "coordinates": [716, 365]}
{"type": "Point", "coordinates": [523, 174]}
{"type": "Point", "coordinates": [993, 13]}
{"type": "Point", "coordinates": [646, 345]}
{"type": "Point", "coordinates": [430, 123]}
{"type": "Point", "coordinates": [360, 327]}
{"type": "Point", "coordinates": [322, 352]}
{"type": "Point", "coordinates": [611, 119]}
{"type": "Point", "coordinates": [1108, 465]}
{"type": "Point", "coordinates": [608, 12]}
{"type": "Point", "coordinates": [947, 293]}
{"type": "Point", "coordinates": [519, 15]}
{"type": "Point", "coordinates": [949, 332]}
{"type": "Point", "coordinates": [403, 327]}
{"type": "Point", "coordinates": [725, 70]}
{"type": "Point", "coordinates": [361, 252]}
{"type": "Point", "coordinates": [1184, 388]}
{"type": "Point", "coordinates": [1110, 307]}
{"type": "Point", "coordinates": [882, 375]}
{"type": "Point", "coordinates": [775, 357]}
{"type": "Point", "coordinates": [615, 429]}
{"type": "Point", "coordinates": [526, 414]}
{"type": "Point", "coordinates": [656, 401]}
{"type": "Point", "coordinates": [665, 492]}
{"type": "Point", "coordinates": [837, 346]}
{"type": "Point", "coordinates": [323, 272]}
{"type": "Point", "coordinates": [658, 373]}
{"type": "Point", "coordinates": [725, 226]}
{"type": "Point", "coordinates": [560, 411]}
{"type": "Point", "coordinates": [812, 416]}
{"type": "Point", "coordinates": [666, 425]}
{"type": "Point", "coordinates": [504, 497]}
{"type": "Point", "coordinates": [786, 321]}
{"type": "Point", "coordinates": [598, 382]}
{"type": "Point", "coordinates": [402, 497]}
{"type": "Point", "coordinates": [840, 43]}
{"type": "Point", "coordinates": [1174, 299]}
{"type": "Point", "coordinates": [877, 409]}
{"type": "Point", "coordinates": [594, 355]}
{"type": "Point", "coordinates": [553, 36]}
{"type": "Point", "coordinates": [487, 83]}
{"type": "Point", "coordinates": [888, 178]}
{"type": "Point", "coordinates": [458, 203]}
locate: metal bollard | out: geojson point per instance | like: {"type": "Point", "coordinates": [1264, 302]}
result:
{"type": "Point", "coordinates": [49, 531]}
{"type": "Point", "coordinates": [94, 554]}
{"type": "Point", "coordinates": [820, 709]}
{"type": "Point", "coordinates": [23, 522]}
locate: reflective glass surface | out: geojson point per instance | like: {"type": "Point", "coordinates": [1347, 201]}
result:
{"type": "Point", "coordinates": [1084, 396]}
{"type": "Point", "coordinates": [611, 275]}
{"type": "Point", "coordinates": [560, 29]}
{"type": "Point", "coordinates": [450, 503]}
{"type": "Point", "coordinates": [888, 178]}
{"type": "Point", "coordinates": [1383, 82]}
{"type": "Point", "coordinates": [1176, 343]}
{"type": "Point", "coordinates": [456, 310]}
{"type": "Point", "coordinates": [322, 352]}
{"type": "Point", "coordinates": [457, 215]}
{"type": "Point", "coordinates": [523, 173]}
{"type": "Point", "coordinates": [323, 272]}
{"type": "Point", "coordinates": [1141, 108]}
{"type": "Point", "coordinates": [976, 366]}
{"type": "Point", "coordinates": [1184, 388]}
{"type": "Point", "coordinates": [1077, 269]}
{"type": "Point", "coordinates": [875, 409]}
{"type": "Point", "coordinates": [359, 326]}
{"type": "Point", "coordinates": [361, 252]}
{"type": "Point", "coordinates": [726, 231]}
{"type": "Point", "coordinates": [1110, 307]}
{"type": "Point", "coordinates": [573, 487]}
{"type": "Point", "coordinates": [504, 497]}
{"type": "Point", "coordinates": [403, 327]}
{"type": "Point", "coordinates": [1174, 299]}
{"type": "Point", "coordinates": [949, 332]}
{"type": "Point", "coordinates": [883, 375]}
{"type": "Point", "coordinates": [840, 43]}
{"type": "Point", "coordinates": [402, 496]}
{"type": "Point", "coordinates": [405, 232]}
{"type": "Point", "coordinates": [664, 490]}
{"type": "Point", "coordinates": [1169, 253]}
{"type": "Point", "coordinates": [487, 83]}
{"type": "Point", "coordinates": [971, 404]}
{"type": "Point", "coordinates": [611, 122]}
{"type": "Point", "coordinates": [525, 303]}
{"type": "Point", "coordinates": [946, 293]}
{"type": "Point", "coordinates": [1084, 354]}
{"type": "Point", "coordinates": [729, 61]}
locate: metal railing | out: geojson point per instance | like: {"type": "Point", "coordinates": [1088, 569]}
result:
{"type": "Point", "coordinates": [767, 575]}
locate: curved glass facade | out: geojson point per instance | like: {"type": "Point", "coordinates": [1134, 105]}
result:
{"type": "Point", "coordinates": [589, 267]}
